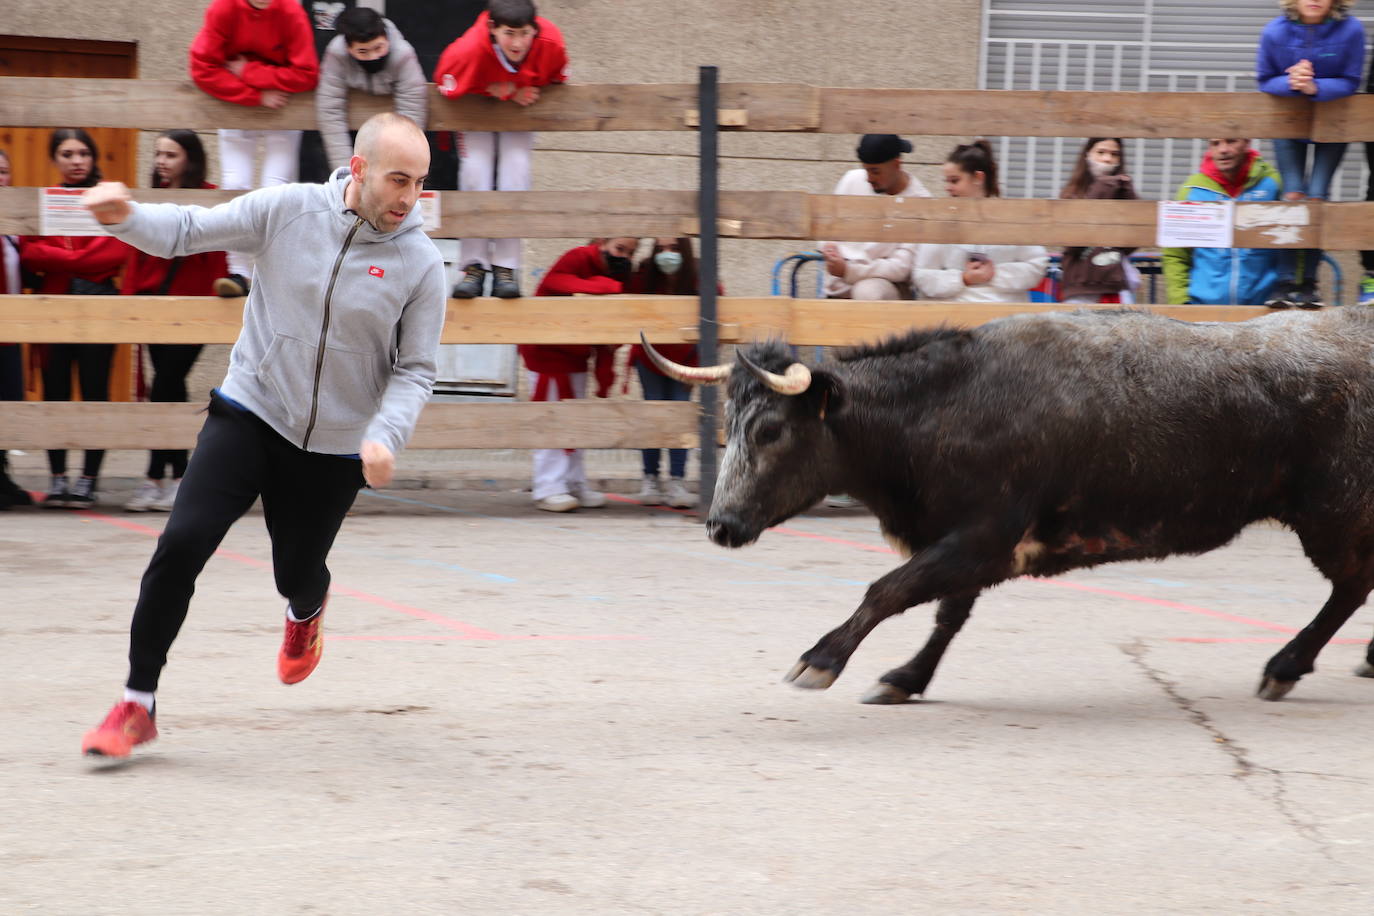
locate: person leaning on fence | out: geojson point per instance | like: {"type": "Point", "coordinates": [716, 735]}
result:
{"type": "Point", "coordinates": [178, 162]}
{"type": "Point", "coordinates": [333, 365]}
{"type": "Point", "coordinates": [874, 270]}
{"type": "Point", "coordinates": [1230, 170]}
{"type": "Point", "coordinates": [670, 269]}
{"type": "Point", "coordinates": [977, 273]}
{"type": "Point", "coordinates": [255, 53]}
{"type": "Point", "coordinates": [508, 54]}
{"type": "Point", "coordinates": [369, 54]}
{"type": "Point", "coordinates": [1097, 274]}
{"type": "Point", "coordinates": [80, 266]}
{"type": "Point", "coordinates": [1313, 50]}
{"type": "Point", "coordinates": [11, 359]}
{"type": "Point", "coordinates": [559, 372]}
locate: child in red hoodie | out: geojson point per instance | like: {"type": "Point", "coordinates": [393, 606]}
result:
{"type": "Point", "coordinates": [509, 52]}
{"type": "Point", "coordinates": [254, 52]}
{"type": "Point", "coordinates": [559, 372]}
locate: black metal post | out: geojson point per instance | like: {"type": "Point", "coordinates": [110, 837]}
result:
{"type": "Point", "coordinates": [707, 270]}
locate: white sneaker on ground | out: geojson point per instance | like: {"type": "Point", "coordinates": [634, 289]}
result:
{"type": "Point", "coordinates": [169, 496]}
{"type": "Point", "coordinates": [145, 500]}
{"type": "Point", "coordinates": [678, 496]}
{"type": "Point", "coordinates": [651, 494]}
{"type": "Point", "coordinates": [588, 498]}
{"type": "Point", "coordinates": [558, 502]}
{"type": "Point", "coordinates": [842, 501]}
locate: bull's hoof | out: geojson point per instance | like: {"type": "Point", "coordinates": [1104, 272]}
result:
{"type": "Point", "coordinates": [803, 675]}
{"type": "Point", "coordinates": [881, 694]}
{"type": "Point", "coordinates": [1364, 669]}
{"type": "Point", "coordinates": [1273, 689]}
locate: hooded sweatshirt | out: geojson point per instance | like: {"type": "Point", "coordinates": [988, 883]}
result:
{"type": "Point", "coordinates": [339, 72]}
{"type": "Point", "coordinates": [342, 322]}
{"type": "Point", "coordinates": [1335, 48]}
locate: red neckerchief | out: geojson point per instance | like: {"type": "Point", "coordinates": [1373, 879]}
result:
{"type": "Point", "coordinates": [1232, 186]}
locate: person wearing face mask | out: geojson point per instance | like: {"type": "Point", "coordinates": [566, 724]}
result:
{"type": "Point", "coordinates": [559, 372]}
{"type": "Point", "coordinates": [669, 270]}
{"type": "Point", "coordinates": [370, 54]}
{"type": "Point", "coordinates": [1097, 274]}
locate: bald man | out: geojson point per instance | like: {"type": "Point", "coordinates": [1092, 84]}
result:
{"type": "Point", "coordinates": [326, 381]}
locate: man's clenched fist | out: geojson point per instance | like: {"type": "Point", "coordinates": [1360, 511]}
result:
{"type": "Point", "coordinates": [108, 202]}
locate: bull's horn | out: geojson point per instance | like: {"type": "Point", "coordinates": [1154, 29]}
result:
{"type": "Point", "coordinates": [691, 375]}
{"type": "Point", "coordinates": [795, 380]}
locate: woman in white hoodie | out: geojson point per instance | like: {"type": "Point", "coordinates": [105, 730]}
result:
{"type": "Point", "coordinates": [977, 273]}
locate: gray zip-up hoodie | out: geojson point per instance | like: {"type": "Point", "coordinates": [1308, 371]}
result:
{"type": "Point", "coordinates": [339, 72]}
{"type": "Point", "coordinates": [342, 323]}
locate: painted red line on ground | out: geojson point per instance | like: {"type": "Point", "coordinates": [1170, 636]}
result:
{"type": "Point", "coordinates": [500, 637]}
{"type": "Point", "coordinates": [1258, 639]}
{"type": "Point", "coordinates": [465, 630]}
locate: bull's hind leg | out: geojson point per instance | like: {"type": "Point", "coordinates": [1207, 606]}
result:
{"type": "Point", "coordinates": [1299, 657]}
{"type": "Point", "coordinates": [911, 679]}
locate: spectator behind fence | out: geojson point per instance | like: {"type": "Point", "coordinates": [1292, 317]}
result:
{"type": "Point", "coordinates": [11, 359]}
{"type": "Point", "coordinates": [1314, 49]}
{"type": "Point", "coordinates": [559, 372]}
{"type": "Point", "coordinates": [874, 270]}
{"type": "Point", "coordinates": [74, 265]}
{"type": "Point", "coordinates": [670, 269]}
{"type": "Point", "coordinates": [256, 53]}
{"type": "Point", "coordinates": [1367, 256]}
{"type": "Point", "coordinates": [977, 273]}
{"type": "Point", "coordinates": [370, 54]}
{"type": "Point", "coordinates": [508, 54]}
{"type": "Point", "coordinates": [1097, 274]}
{"type": "Point", "coordinates": [1230, 170]}
{"type": "Point", "coordinates": [178, 162]}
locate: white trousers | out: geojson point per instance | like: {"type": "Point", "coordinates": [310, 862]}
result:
{"type": "Point", "coordinates": [493, 162]}
{"type": "Point", "coordinates": [559, 470]}
{"type": "Point", "coordinates": [280, 165]}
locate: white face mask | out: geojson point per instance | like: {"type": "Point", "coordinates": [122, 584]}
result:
{"type": "Point", "coordinates": [670, 262]}
{"type": "Point", "coordinates": [1098, 169]}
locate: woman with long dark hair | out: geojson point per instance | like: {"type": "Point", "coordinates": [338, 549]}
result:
{"type": "Point", "coordinates": [74, 265]}
{"type": "Point", "coordinates": [1097, 274]}
{"type": "Point", "coordinates": [178, 162]}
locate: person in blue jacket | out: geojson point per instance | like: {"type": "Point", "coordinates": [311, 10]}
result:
{"type": "Point", "coordinates": [1313, 49]}
{"type": "Point", "coordinates": [1231, 170]}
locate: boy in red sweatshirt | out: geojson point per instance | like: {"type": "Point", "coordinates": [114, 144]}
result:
{"type": "Point", "coordinates": [509, 53]}
{"type": "Point", "coordinates": [559, 372]}
{"type": "Point", "coordinates": [254, 52]}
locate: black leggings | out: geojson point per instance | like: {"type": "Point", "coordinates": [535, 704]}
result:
{"type": "Point", "coordinates": [92, 363]}
{"type": "Point", "coordinates": [238, 457]}
{"type": "Point", "coordinates": [171, 364]}
{"type": "Point", "coordinates": [1367, 257]}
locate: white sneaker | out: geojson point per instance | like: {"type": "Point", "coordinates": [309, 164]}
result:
{"type": "Point", "coordinates": [678, 496]}
{"type": "Point", "coordinates": [147, 497]}
{"type": "Point", "coordinates": [588, 498]}
{"type": "Point", "coordinates": [169, 496]}
{"type": "Point", "coordinates": [558, 502]}
{"type": "Point", "coordinates": [651, 494]}
{"type": "Point", "coordinates": [841, 501]}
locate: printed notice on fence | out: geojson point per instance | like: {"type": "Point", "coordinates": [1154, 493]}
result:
{"type": "Point", "coordinates": [429, 209]}
{"type": "Point", "coordinates": [61, 213]}
{"type": "Point", "coordinates": [1195, 224]}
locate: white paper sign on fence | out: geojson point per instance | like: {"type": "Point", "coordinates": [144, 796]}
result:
{"type": "Point", "coordinates": [1195, 224]}
{"type": "Point", "coordinates": [429, 209]}
{"type": "Point", "coordinates": [60, 213]}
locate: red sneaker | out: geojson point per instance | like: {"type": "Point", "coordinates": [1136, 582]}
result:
{"type": "Point", "coordinates": [301, 648]}
{"type": "Point", "coordinates": [127, 725]}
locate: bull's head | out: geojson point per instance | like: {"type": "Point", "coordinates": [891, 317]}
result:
{"type": "Point", "coordinates": [780, 457]}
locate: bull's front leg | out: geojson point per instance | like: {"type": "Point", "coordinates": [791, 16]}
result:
{"type": "Point", "coordinates": [956, 566]}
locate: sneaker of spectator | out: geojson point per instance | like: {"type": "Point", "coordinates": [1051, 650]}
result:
{"type": "Point", "coordinates": [503, 283]}
{"type": "Point", "coordinates": [558, 502]}
{"type": "Point", "coordinates": [678, 496]}
{"type": "Point", "coordinates": [651, 493]}
{"type": "Point", "coordinates": [1367, 289]}
{"type": "Point", "coordinates": [587, 498]}
{"type": "Point", "coordinates": [168, 497]}
{"type": "Point", "coordinates": [147, 495]}
{"type": "Point", "coordinates": [473, 283]}
{"type": "Point", "coordinates": [57, 494]}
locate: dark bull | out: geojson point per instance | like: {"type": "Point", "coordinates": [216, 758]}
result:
{"type": "Point", "coordinates": [1038, 444]}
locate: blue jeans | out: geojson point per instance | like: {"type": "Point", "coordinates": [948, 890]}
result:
{"type": "Point", "coordinates": [1292, 156]}
{"type": "Point", "coordinates": [661, 388]}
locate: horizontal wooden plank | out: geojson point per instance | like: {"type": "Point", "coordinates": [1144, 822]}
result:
{"type": "Point", "coordinates": [153, 104]}
{"type": "Point", "coordinates": [572, 424]}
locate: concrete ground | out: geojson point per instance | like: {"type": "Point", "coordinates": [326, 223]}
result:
{"type": "Point", "coordinates": [526, 713]}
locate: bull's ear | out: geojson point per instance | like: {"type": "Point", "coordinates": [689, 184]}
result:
{"type": "Point", "coordinates": [826, 394]}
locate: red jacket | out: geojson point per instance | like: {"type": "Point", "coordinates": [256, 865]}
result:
{"type": "Point", "coordinates": [144, 273]}
{"type": "Point", "coordinates": [581, 270]}
{"type": "Point", "coordinates": [59, 258]}
{"type": "Point", "coordinates": [277, 42]}
{"type": "Point", "coordinates": [470, 65]}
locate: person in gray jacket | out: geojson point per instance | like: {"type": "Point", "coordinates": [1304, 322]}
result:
{"type": "Point", "coordinates": [333, 365]}
{"type": "Point", "coordinates": [370, 54]}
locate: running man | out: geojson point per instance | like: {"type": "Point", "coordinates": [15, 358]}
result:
{"type": "Point", "coordinates": [326, 381]}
